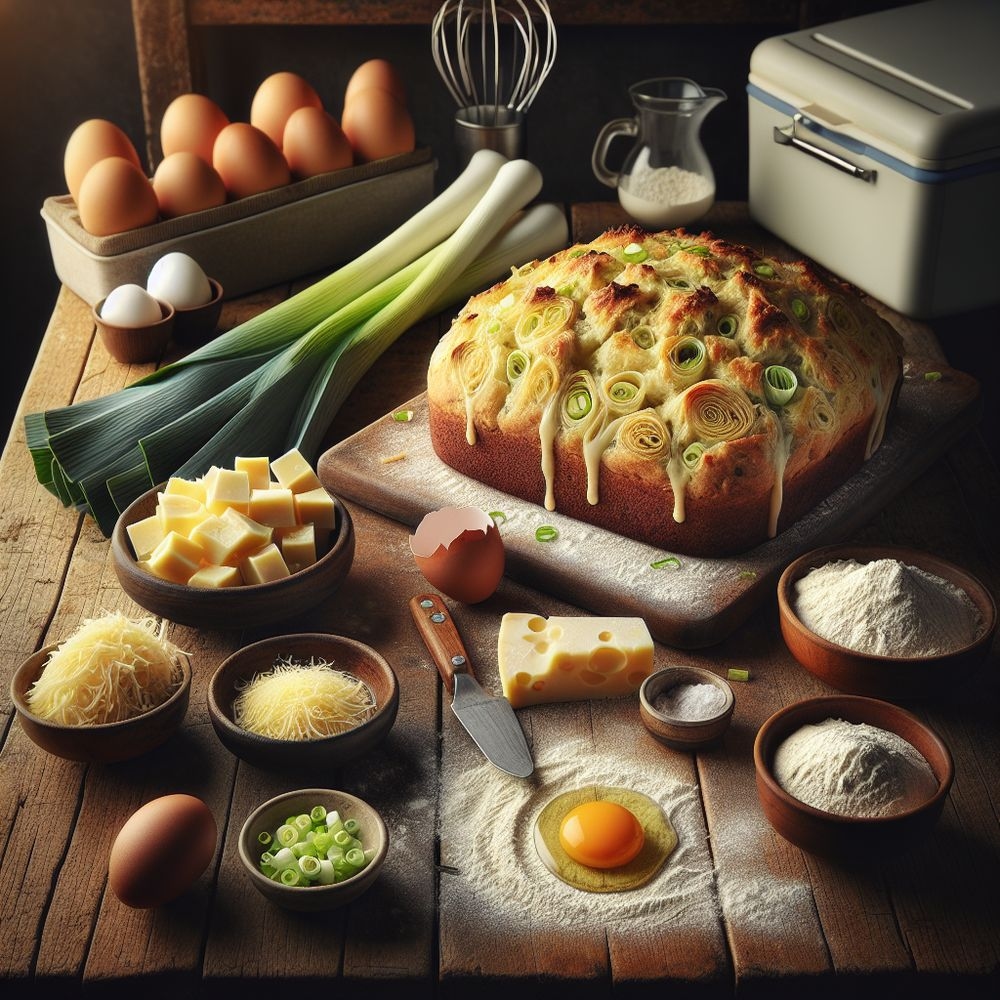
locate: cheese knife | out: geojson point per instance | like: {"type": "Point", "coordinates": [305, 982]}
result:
{"type": "Point", "coordinates": [490, 721]}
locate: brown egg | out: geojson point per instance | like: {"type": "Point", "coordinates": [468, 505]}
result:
{"type": "Point", "coordinates": [377, 125]}
{"type": "Point", "coordinates": [459, 550]}
{"type": "Point", "coordinates": [247, 161]}
{"type": "Point", "coordinates": [185, 183]}
{"type": "Point", "coordinates": [376, 73]}
{"type": "Point", "coordinates": [93, 140]}
{"type": "Point", "coordinates": [161, 850]}
{"type": "Point", "coordinates": [315, 143]}
{"type": "Point", "coordinates": [115, 196]}
{"type": "Point", "coordinates": [190, 124]}
{"type": "Point", "coordinates": [276, 98]}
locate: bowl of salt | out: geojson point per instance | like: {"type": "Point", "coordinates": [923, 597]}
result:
{"type": "Point", "coordinates": [686, 708]}
{"type": "Point", "coordinates": [885, 621]}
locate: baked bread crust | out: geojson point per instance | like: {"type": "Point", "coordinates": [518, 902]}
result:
{"type": "Point", "coordinates": [628, 383]}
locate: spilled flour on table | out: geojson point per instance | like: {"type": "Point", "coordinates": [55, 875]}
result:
{"type": "Point", "coordinates": [489, 818]}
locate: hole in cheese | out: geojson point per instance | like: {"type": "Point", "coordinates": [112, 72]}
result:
{"type": "Point", "coordinates": [536, 624]}
{"type": "Point", "coordinates": [604, 636]}
{"type": "Point", "coordinates": [607, 659]}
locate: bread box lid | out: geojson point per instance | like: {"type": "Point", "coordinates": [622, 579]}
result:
{"type": "Point", "coordinates": [919, 82]}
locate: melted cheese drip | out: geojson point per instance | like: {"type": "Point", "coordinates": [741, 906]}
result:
{"type": "Point", "coordinates": [679, 475]}
{"type": "Point", "coordinates": [781, 450]}
{"type": "Point", "coordinates": [548, 426]}
{"type": "Point", "coordinates": [599, 435]}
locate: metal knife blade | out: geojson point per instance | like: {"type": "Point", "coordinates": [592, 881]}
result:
{"type": "Point", "coordinates": [490, 721]}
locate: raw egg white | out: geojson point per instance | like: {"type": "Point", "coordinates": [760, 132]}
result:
{"type": "Point", "coordinates": [91, 141]}
{"type": "Point", "coordinates": [116, 196]}
{"type": "Point", "coordinates": [275, 100]}
{"type": "Point", "coordinates": [177, 278]}
{"type": "Point", "coordinates": [459, 550]}
{"type": "Point", "coordinates": [248, 161]}
{"type": "Point", "coordinates": [603, 839]}
{"type": "Point", "coordinates": [162, 849]}
{"type": "Point", "coordinates": [185, 183]}
{"type": "Point", "coordinates": [377, 125]}
{"type": "Point", "coordinates": [314, 143]}
{"type": "Point", "coordinates": [376, 73]}
{"type": "Point", "coordinates": [191, 124]}
{"type": "Point", "coordinates": [130, 306]}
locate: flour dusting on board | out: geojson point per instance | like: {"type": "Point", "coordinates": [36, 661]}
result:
{"type": "Point", "coordinates": [489, 819]}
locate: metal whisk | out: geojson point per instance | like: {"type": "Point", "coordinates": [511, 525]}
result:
{"type": "Point", "coordinates": [493, 56]}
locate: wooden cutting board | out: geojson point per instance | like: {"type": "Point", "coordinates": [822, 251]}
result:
{"type": "Point", "coordinates": [390, 467]}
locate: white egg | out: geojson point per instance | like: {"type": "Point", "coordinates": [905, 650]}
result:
{"type": "Point", "coordinates": [130, 306]}
{"type": "Point", "coordinates": [178, 279]}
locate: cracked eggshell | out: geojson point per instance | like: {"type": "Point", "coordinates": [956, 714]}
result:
{"type": "Point", "coordinates": [460, 552]}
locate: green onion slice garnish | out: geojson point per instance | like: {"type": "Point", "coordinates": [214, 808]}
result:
{"type": "Point", "coordinates": [403, 416]}
{"type": "Point", "coordinates": [668, 562]}
{"type": "Point", "coordinates": [634, 253]}
{"type": "Point", "coordinates": [643, 337]}
{"type": "Point", "coordinates": [748, 574]}
{"type": "Point", "coordinates": [736, 674]}
{"type": "Point", "coordinates": [800, 310]}
{"type": "Point", "coordinates": [546, 533]}
{"type": "Point", "coordinates": [623, 391]}
{"type": "Point", "coordinates": [579, 399]}
{"type": "Point", "coordinates": [728, 325]}
{"type": "Point", "coordinates": [682, 284]}
{"type": "Point", "coordinates": [763, 269]}
{"type": "Point", "coordinates": [932, 376]}
{"type": "Point", "coordinates": [687, 358]}
{"type": "Point", "coordinates": [517, 365]}
{"type": "Point", "coordinates": [692, 454]}
{"type": "Point", "coordinates": [780, 384]}
{"type": "Point", "coordinates": [498, 517]}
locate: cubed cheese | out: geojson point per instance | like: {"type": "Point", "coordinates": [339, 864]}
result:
{"type": "Point", "coordinates": [316, 507]}
{"type": "Point", "coordinates": [264, 566]}
{"type": "Point", "coordinates": [223, 540]}
{"type": "Point", "coordinates": [258, 471]}
{"type": "Point", "coordinates": [176, 558]}
{"type": "Point", "coordinates": [145, 535]}
{"type": "Point", "coordinates": [292, 470]}
{"type": "Point", "coordinates": [186, 487]}
{"type": "Point", "coordinates": [251, 535]}
{"type": "Point", "coordinates": [275, 507]}
{"type": "Point", "coordinates": [180, 513]}
{"type": "Point", "coordinates": [229, 488]}
{"type": "Point", "coordinates": [298, 546]}
{"type": "Point", "coordinates": [571, 658]}
{"type": "Point", "coordinates": [216, 577]}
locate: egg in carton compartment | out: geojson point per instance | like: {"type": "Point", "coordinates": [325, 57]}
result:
{"type": "Point", "coordinates": [295, 230]}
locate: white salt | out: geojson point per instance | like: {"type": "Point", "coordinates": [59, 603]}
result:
{"type": "Point", "coordinates": [690, 702]}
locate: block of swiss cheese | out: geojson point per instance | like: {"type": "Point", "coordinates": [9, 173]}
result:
{"type": "Point", "coordinates": [571, 658]}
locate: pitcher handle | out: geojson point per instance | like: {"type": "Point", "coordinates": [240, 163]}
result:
{"type": "Point", "coordinates": [628, 127]}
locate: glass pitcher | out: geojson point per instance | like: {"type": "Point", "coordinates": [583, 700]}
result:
{"type": "Point", "coordinates": [666, 180]}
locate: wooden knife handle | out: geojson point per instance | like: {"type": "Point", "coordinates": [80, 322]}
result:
{"type": "Point", "coordinates": [440, 634]}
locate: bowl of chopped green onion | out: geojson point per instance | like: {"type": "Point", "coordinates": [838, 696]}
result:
{"type": "Point", "coordinates": [314, 848]}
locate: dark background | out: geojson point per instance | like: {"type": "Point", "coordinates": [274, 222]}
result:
{"type": "Point", "coordinates": [62, 61]}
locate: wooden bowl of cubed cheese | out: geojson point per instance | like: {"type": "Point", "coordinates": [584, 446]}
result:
{"type": "Point", "coordinates": [256, 544]}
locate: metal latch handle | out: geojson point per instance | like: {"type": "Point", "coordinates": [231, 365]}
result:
{"type": "Point", "coordinates": [786, 137]}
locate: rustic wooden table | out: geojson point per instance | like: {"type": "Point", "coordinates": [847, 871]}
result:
{"type": "Point", "coordinates": [739, 909]}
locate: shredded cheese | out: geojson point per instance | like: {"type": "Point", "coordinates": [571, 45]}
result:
{"type": "Point", "coordinates": [111, 669]}
{"type": "Point", "coordinates": [302, 701]}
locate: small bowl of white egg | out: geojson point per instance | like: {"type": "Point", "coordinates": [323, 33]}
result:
{"type": "Point", "coordinates": [177, 278]}
{"type": "Point", "coordinates": [134, 326]}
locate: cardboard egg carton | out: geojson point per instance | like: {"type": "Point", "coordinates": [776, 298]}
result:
{"type": "Point", "coordinates": [290, 232]}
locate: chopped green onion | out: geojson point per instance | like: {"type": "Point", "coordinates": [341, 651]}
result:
{"type": "Point", "coordinates": [287, 834]}
{"type": "Point", "coordinates": [318, 814]}
{"type": "Point", "coordinates": [498, 517]}
{"type": "Point", "coordinates": [351, 826]}
{"type": "Point", "coordinates": [932, 376]}
{"type": "Point", "coordinates": [623, 391]}
{"type": "Point", "coordinates": [264, 838]}
{"type": "Point", "coordinates": [333, 821]}
{"type": "Point", "coordinates": [342, 838]}
{"type": "Point", "coordinates": [303, 822]}
{"type": "Point", "coordinates": [728, 325]}
{"type": "Point", "coordinates": [310, 867]}
{"type": "Point", "coordinates": [643, 337]}
{"type": "Point", "coordinates": [735, 674]}
{"type": "Point", "coordinates": [517, 365]}
{"type": "Point", "coordinates": [692, 454]}
{"type": "Point", "coordinates": [292, 877]}
{"type": "Point", "coordinates": [578, 403]}
{"type": "Point", "coordinates": [681, 284]}
{"type": "Point", "coordinates": [697, 250]}
{"type": "Point", "coordinates": [403, 416]}
{"type": "Point", "coordinates": [668, 562]}
{"type": "Point", "coordinates": [546, 533]}
{"type": "Point", "coordinates": [355, 857]}
{"type": "Point", "coordinates": [688, 353]}
{"type": "Point", "coordinates": [800, 310]}
{"type": "Point", "coordinates": [780, 384]}
{"type": "Point", "coordinates": [634, 253]}
{"type": "Point", "coordinates": [748, 574]}
{"type": "Point", "coordinates": [764, 269]}
{"type": "Point", "coordinates": [284, 859]}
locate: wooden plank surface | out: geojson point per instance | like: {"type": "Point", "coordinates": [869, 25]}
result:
{"type": "Point", "coordinates": [738, 909]}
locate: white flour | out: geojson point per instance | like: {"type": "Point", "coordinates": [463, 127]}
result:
{"type": "Point", "coordinates": [853, 769]}
{"type": "Point", "coordinates": [886, 608]}
{"type": "Point", "coordinates": [488, 819]}
{"type": "Point", "coordinates": [665, 196]}
{"type": "Point", "coordinates": [691, 702]}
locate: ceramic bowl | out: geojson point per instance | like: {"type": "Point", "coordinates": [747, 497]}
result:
{"type": "Point", "coordinates": [274, 812]}
{"type": "Point", "coordinates": [844, 837]}
{"type": "Point", "coordinates": [231, 607]}
{"type": "Point", "coordinates": [104, 744]}
{"type": "Point", "coordinates": [196, 325]}
{"type": "Point", "coordinates": [678, 733]}
{"type": "Point", "coordinates": [883, 676]}
{"type": "Point", "coordinates": [330, 751]}
{"type": "Point", "coordinates": [136, 344]}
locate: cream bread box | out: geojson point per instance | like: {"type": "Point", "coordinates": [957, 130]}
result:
{"type": "Point", "coordinates": [289, 232]}
{"type": "Point", "coordinates": [875, 150]}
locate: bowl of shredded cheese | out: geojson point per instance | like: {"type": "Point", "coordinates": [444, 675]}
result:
{"type": "Point", "coordinates": [303, 700]}
{"type": "Point", "coordinates": [114, 689]}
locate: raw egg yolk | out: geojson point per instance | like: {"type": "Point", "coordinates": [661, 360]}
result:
{"type": "Point", "coordinates": [601, 834]}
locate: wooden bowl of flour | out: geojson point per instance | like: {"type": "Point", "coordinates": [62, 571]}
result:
{"type": "Point", "coordinates": [842, 836]}
{"type": "Point", "coordinates": [911, 675]}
